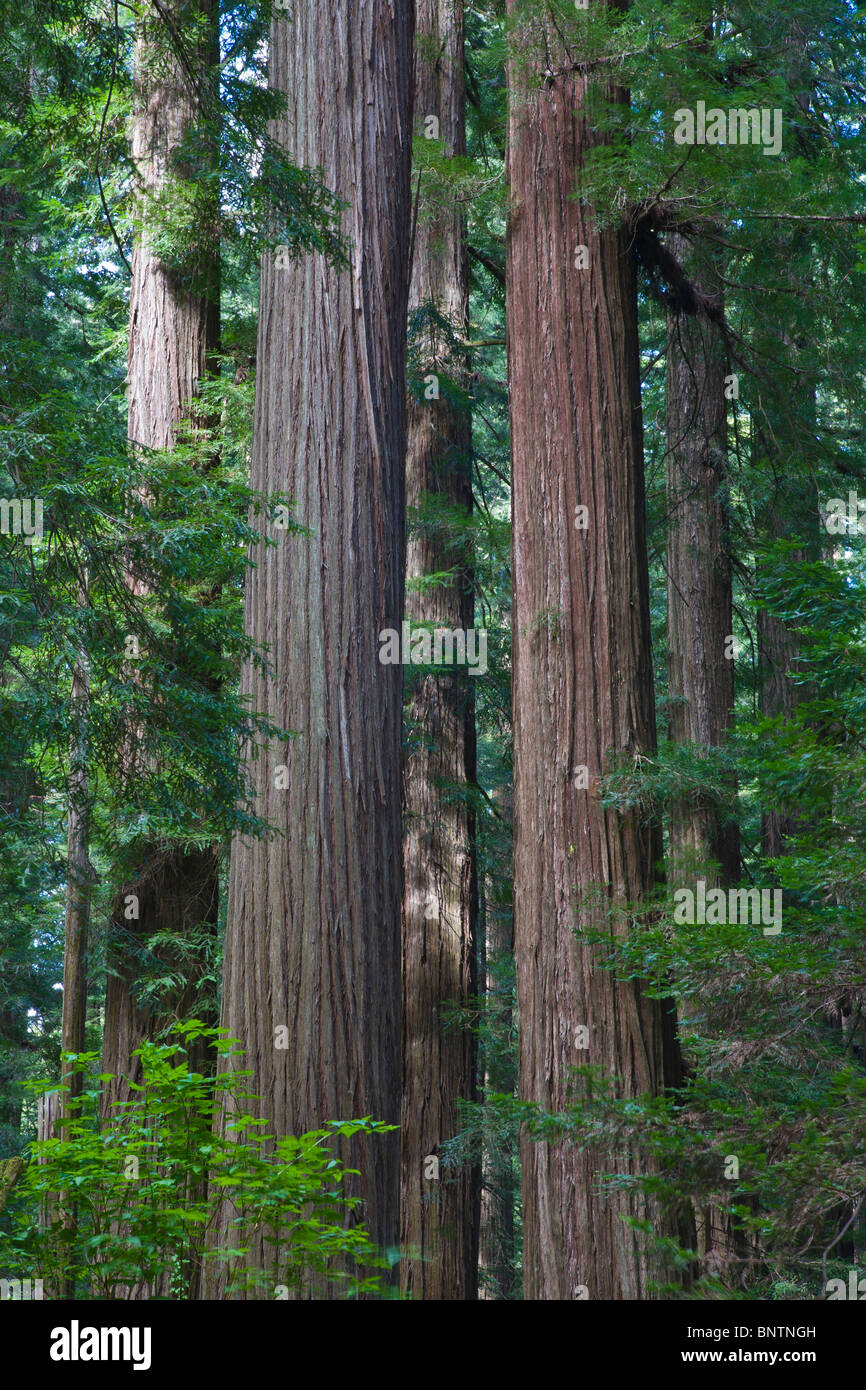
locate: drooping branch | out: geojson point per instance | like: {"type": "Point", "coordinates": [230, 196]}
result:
{"type": "Point", "coordinates": [667, 280]}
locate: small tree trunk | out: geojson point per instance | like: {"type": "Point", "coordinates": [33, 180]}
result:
{"type": "Point", "coordinates": [791, 513]}
{"type": "Point", "coordinates": [48, 1127]}
{"type": "Point", "coordinates": [497, 1247]}
{"type": "Point", "coordinates": [79, 882]}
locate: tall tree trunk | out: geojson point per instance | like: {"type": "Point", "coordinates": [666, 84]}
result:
{"type": "Point", "coordinates": [439, 1218]}
{"type": "Point", "coordinates": [700, 601]}
{"type": "Point", "coordinates": [783, 433]}
{"type": "Point", "coordinates": [496, 1254]}
{"type": "Point", "coordinates": [79, 883]}
{"type": "Point", "coordinates": [583, 681]}
{"type": "Point", "coordinates": [313, 936]}
{"type": "Point", "coordinates": [17, 787]}
{"type": "Point", "coordinates": [173, 339]}
{"type": "Point", "coordinates": [704, 842]}
{"type": "Point", "coordinates": [10, 300]}
{"type": "Point", "coordinates": [79, 878]}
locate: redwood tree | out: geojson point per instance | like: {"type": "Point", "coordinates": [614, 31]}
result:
{"type": "Point", "coordinates": [440, 900]}
{"type": "Point", "coordinates": [583, 683]}
{"type": "Point", "coordinates": [496, 1243]}
{"type": "Point", "coordinates": [173, 337]}
{"type": "Point", "coordinates": [312, 953]}
{"type": "Point", "coordinates": [700, 603]}
{"type": "Point", "coordinates": [704, 839]}
{"type": "Point", "coordinates": [783, 426]}
{"type": "Point", "coordinates": [79, 870]}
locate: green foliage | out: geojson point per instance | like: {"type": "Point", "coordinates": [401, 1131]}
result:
{"type": "Point", "coordinates": [138, 1199]}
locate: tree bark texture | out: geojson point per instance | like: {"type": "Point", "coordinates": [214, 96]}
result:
{"type": "Point", "coordinates": [583, 683]}
{"type": "Point", "coordinates": [313, 936]}
{"type": "Point", "coordinates": [439, 1219]}
{"type": "Point", "coordinates": [703, 841]}
{"type": "Point", "coordinates": [700, 601]}
{"type": "Point", "coordinates": [496, 1253]}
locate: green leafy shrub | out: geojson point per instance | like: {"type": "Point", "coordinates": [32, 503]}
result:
{"type": "Point", "coordinates": [180, 1178]}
